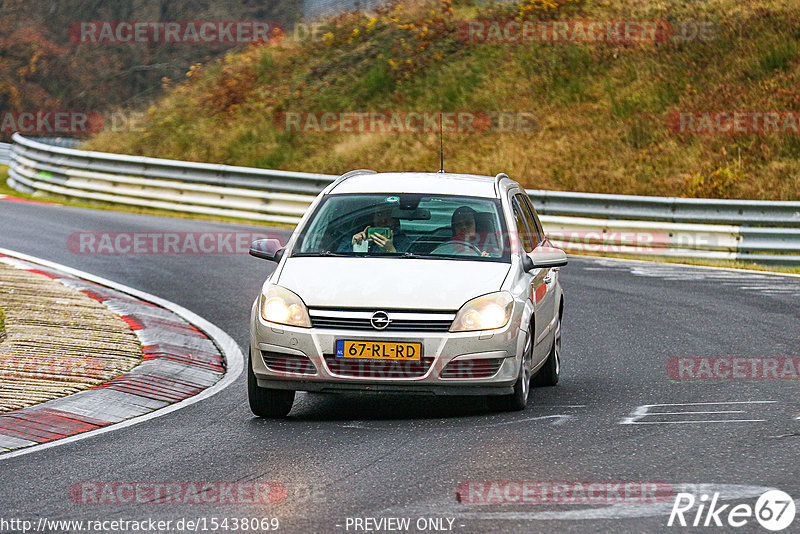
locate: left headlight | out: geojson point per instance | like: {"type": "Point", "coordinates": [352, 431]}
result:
{"type": "Point", "coordinates": [279, 305]}
{"type": "Point", "coordinates": [484, 313]}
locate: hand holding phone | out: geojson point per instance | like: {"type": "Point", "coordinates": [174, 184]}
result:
{"type": "Point", "coordinates": [382, 230]}
{"type": "Point", "coordinates": [382, 237]}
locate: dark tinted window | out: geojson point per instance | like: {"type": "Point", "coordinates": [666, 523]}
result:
{"type": "Point", "coordinates": [523, 230]}
{"type": "Point", "coordinates": [537, 225]}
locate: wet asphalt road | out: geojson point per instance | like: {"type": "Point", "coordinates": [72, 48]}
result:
{"type": "Point", "coordinates": [349, 457]}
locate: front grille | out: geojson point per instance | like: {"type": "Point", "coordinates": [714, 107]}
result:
{"type": "Point", "coordinates": [479, 368]}
{"type": "Point", "coordinates": [288, 363]}
{"type": "Point", "coordinates": [400, 320]}
{"type": "Point", "coordinates": [377, 368]}
{"type": "Point", "coordinates": [395, 325]}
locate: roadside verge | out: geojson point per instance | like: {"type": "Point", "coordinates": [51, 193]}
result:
{"type": "Point", "coordinates": [60, 340]}
{"type": "Point", "coordinates": [186, 359]}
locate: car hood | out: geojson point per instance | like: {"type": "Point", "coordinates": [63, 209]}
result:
{"type": "Point", "coordinates": [399, 283]}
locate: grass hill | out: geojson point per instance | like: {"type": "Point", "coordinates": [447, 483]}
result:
{"type": "Point", "coordinates": [603, 112]}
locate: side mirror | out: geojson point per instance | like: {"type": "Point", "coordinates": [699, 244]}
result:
{"type": "Point", "coordinates": [544, 258]}
{"type": "Point", "coordinates": [527, 263]}
{"type": "Point", "coordinates": [267, 249]}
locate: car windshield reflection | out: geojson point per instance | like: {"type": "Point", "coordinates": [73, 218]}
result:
{"type": "Point", "coordinates": [406, 226]}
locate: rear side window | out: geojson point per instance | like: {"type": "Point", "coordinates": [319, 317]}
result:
{"type": "Point", "coordinates": [523, 230]}
{"type": "Point", "coordinates": [536, 222]}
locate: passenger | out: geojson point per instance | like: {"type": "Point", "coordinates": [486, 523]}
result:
{"type": "Point", "coordinates": [382, 217]}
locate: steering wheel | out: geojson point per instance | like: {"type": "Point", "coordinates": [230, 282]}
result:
{"type": "Point", "coordinates": [472, 247]}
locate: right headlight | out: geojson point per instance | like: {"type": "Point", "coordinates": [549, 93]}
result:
{"type": "Point", "coordinates": [279, 305]}
{"type": "Point", "coordinates": [484, 313]}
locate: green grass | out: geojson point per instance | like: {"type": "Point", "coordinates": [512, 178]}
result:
{"type": "Point", "coordinates": [603, 109]}
{"type": "Point", "coordinates": [2, 325]}
{"type": "Point", "coordinates": [779, 56]}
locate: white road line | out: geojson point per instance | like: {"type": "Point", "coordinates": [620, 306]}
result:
{"type": "Point", "coordinates": [768, 287]}
{"type": "Point", "coordinates": [640, 412]}
{"type": "Point", "coordinates": [711, 403]}
{"type": "Point", "coordinates": [559, 420]}
{"type": "Point", "coordinates": [682, 266]}
{"type": "Point", "coordinates": [233, 356]}
{"type": "Point", "coordinates": [694, 422]}
{"type": "Point", "coordinates": [682, 413]}
{"type": "Point", "coordinates": [361, 425]}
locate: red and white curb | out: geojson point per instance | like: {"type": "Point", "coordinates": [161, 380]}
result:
{"type": "Point", "coordinates": [186, 359]}
{"type": "Point", "coordinates": [17, 199]}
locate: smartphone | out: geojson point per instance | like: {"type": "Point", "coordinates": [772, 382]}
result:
{"type": "Point", "coordinates": [382, 230]}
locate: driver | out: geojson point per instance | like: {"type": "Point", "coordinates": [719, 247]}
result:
{"type": "Point", "coordinates": [382, 217]}
{"type": "Point", "coordinates": [464, 233]}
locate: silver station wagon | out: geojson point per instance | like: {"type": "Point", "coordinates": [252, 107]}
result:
{"type": "Point", "coordinates": [429, 283]}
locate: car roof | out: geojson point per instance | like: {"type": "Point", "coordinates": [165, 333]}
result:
{"type": "Point", "coordinates": [420, 182]}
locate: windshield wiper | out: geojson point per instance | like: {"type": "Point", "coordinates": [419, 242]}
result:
{"type": "Point", "coordinates": [415, 255]}
{"type": "Point", "coordinates": [326, 253]}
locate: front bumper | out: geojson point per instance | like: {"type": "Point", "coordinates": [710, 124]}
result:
{"type": "Point", "coordinates": [503, 347]}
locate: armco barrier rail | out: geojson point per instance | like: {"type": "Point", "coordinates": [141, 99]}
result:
{"type": "Point", "coordinates": [5, 153]}
{"type": "Point", "coordinates": [759, 231]}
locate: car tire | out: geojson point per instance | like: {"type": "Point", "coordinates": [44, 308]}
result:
{"type": "Point", "coordinates": [518, 400]}
{"type": "Point", "coordinates": [266, 402]}
{"type": "Point", "coordinates": [551, 370]}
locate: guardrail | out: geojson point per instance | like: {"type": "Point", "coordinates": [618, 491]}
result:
{"type": "Point", "coordinates": [759, 231]}
{"type": "Point", "coordinates": [223, 190]}
{"type": "Point", "coordinates": [5, 153]}
{"type": "Point", "coordinates": [669, 209]}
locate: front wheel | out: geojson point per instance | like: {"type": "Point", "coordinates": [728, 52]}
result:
{"type": "Point", "coordinates": [518, 400]}
{"type": "Point", "coordinates": [266, 402]}
{"type": "Point", "coordinates": [551, 370]}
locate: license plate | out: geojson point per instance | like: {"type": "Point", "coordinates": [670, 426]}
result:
{"type": "Point", "coordinates": [379, 350]}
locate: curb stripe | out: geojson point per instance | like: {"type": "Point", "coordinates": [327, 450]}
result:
{"type": "Point", "coordinates": [158, 385]}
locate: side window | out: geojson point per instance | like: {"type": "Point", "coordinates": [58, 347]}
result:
{"type": "Point", "coordinates": [523, 229]}
{"type": "Point", "coordinates": [537, 225]}
{"type": "Point", "coordinates": [526, 214]}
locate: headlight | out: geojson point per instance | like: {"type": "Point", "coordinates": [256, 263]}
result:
{"type": "Point", "coordinates": [484, 313]}
{"type": "Point", "coordinates": [279, 305]}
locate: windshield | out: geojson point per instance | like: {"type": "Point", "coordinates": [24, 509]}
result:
{"type": "Point", "coordinates": [406, 225]}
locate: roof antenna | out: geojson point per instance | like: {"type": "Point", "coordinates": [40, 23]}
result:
{"type": "Point", "coordinates": [441, 142]}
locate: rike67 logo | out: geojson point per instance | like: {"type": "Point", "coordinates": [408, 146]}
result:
{"type": "Point", "coordinates": [774, 510]}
